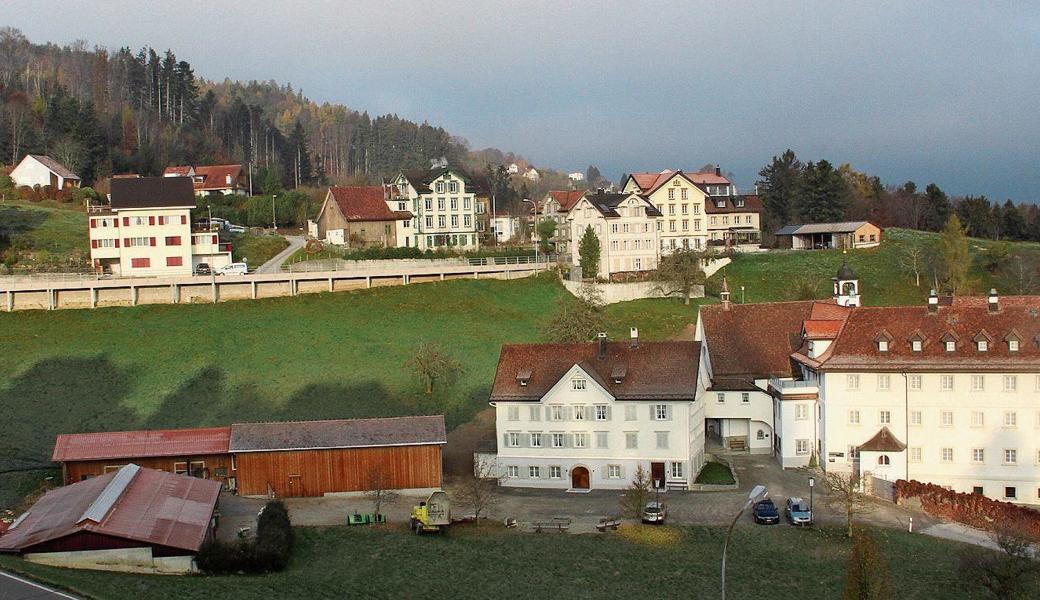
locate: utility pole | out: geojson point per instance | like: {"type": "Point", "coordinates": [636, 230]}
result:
{"type": "Point", "coordinates": [274, 218]}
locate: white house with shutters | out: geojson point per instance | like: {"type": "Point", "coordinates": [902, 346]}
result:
{"type": "Point", "coordinates": [587, 416]}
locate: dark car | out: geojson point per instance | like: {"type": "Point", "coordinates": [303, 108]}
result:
{"type": "Point", "coordinates": [203, 269]}
{"type": "Point", "coordinates": [766, 513]}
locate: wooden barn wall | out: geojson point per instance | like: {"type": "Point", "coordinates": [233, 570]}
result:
{"type": "Point", "coordinates": [88, 540]}
{"type": "Point", "coordinates": [297, 473]}
{"type": "Point", "coordinates": [77, 471]}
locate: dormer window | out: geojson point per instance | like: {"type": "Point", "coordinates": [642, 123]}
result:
{"type": "Point", "coordinates": [720, 203]}
{"type": "Point", "coordinates": [1013, 340]}
{"type": "Point", "coordinates": [951, 346]}
{"type": "Point", "coordinates": [983, 345]}
{"type": "Point", "coordinates": [882, 340]}
{"type": "Point", "coordinates": [1013, 345]}
{"type": "Point", "coordinates": [740, 203]}
{"type": "Point", "coordinates": [523, 377]}
{"type": "Point", "coordinates": [882, 345]}
{"type": "Point", "coordinates": [915, 345]}
{"type": "Point", "coordinates": [982, 341]}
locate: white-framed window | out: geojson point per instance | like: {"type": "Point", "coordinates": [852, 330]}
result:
{"type": "Point", "coordinates": [536, 439]}
{"type": "Point", "coordinates": [630, 412]}
{"type": "Point", "coordinates": [946, 418]}
{"type": "Point", "coordinates": [1010, 492]}
{"type": "Point", "coordinates": [534, 472]}
{"type": "Point", "coordinates": [915, 454]}
{"type": "Point", "coordinates": [601, 412]}
{"type": "Point", "coordinates": [946, 455]}
{"type": "Point", "coordinates": [801, 447]}
{"type": "Point", "coordinates": [555, 412]}
{"type": "Point", "coordinates": [614, 471]}
{"type": "Point", "coordinates": [1010, 418]}
{"type": "Point", "coordinates": [978, 455]}
{"type": "Point", "coordinates": [579, 384]}
{"type": "Point", "coordinates": [661, 412]}
{"type": "Point", "coordinates": [882, 345]}
{"type": "Point", "coordinates": [440, 221]}
{"type": "Point", "coordinates": [512, 471]}
{"type": "Point", "coordinates": [534, 413]}
{"type": "Point", "coordinates": [983, 345]}
{"type": "Point", "coordinates": [631, 440]}
{"type": "Point", "coordinates": [915, 383]}
{"type": "Point", "coordinates": [581, 440]}
{"type": "Point", "coordinates": [429, 221]}
{"type": "Point", "coordinates": [677, 467]}
{"type": "Point", "coordinates": [946, 383]}
{"type": "Point", "coordinates": [662, 439]}
{"type": "Point", "coordinates": [1010, 456]}
{"type": "Point", "coordinates": [1013, 345]}
{"type": "Point", "coordinates": [885, 417]}
{"type": "Point", "coordinates": [915, 345]}
{"type": "Point", "coordinates": [884, 381]}
{"type": "Point", "coordinates": [951, 346]}
{"type": "Point", "coordinates": [978, 418]}
{"type": "Point", "coordinates": [1010, 383]}
{"type": "Point", "coordinates": [801, 411]}
{"type": "Point", "coordinates": [978, 383]}
{"type": "Point", "coordinates": [513, 413]}
{"type": "Point", "coordinates": [720, 398]}
{"type": "Point", "coordinates": [601, 439]}
{"type": "Point", "coordinates": [579, 412]}
{"type": "Point", "coordinates": [514, 439]}
{"type": "Point", "coordinates": [853, 417]}
{"type": "Point", "coordinates": [555, 472]}
{"type": "Point", "coordinates": [915, 417]}
{"type": "Point", "coordinates": [852, 381]}
{"type": "Point", "coordinates": [745, 398]}
{"type": "Point", "coordinates": [558, 440]}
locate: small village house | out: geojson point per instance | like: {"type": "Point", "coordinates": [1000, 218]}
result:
{"type": "Point", "coordinates": [444, 201]}
{"type": "Point", "coordinates": [555, 206]}
{"type": "Point", "coordinates": [41, 170]}
{"type": "Point", "coordinates": [364, 216]}
{"type": "Point", "coordinates": [214, 180]}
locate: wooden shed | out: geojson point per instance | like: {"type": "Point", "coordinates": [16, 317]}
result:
{"type": "Point", "coordinates": [313, 458]}
{"type": "Point", "coordinates": [846, 235]}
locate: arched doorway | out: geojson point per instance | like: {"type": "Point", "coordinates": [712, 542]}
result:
{"type": "Point", "coordinates": [579, 478]}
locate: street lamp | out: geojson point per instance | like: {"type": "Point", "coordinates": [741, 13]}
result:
{"type": "Point", "coordinates": [274, 219]}
{"type": "Point", "coordinates": [534, 210]}
{"type": "Point", "coordinates": [812, 484]}
{"type": "Point", "coordinates": [657, 490]}
{"type": "Point", "coordinates": [757, 494]}
{"type": "Point", "coordinates": [742, 294]}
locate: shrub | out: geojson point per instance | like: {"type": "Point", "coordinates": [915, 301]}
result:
{"type": "Point", "coordinates": [269, 552]}
{"type": "Point", "coordinates": [975, 510]}
{"type": "Point", "coordinates": [27, 193]}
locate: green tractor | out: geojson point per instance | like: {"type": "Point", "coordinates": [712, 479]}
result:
{"type": "Point", "coordinates": [433, 515]}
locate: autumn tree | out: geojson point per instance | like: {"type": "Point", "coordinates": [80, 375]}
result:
{"type": "Point", "coordinates": [679, 273]}
{"type": "Point", "coordinates": [952, 255]}
{"type": "Point", "coordinates": [637, 494]}
{"type": "Point", "coordinates": [576, 319]}
{"type": "Point", "coordinates": [588, 253]}
{"type": "Point", "coordinates": [380, 489]}
{"type": "Point", "coordinates": [433, 363]}
{"type": "Point", "coordinates": [868, 576]}
{"type": "Point", "coordinates": [847, 494]}
{"type": "Point", "coordinates": [480, 490]}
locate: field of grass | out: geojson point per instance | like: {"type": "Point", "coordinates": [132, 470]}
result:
{"type": "Point", "coordinates": [715, 474]}
{"type": "Point", "coordinates": [314, 356]}
{"type": "Point", "coordinates": [44, 236]}
{"type": "Point", "coordinates": [256, 249]}
{"type": "Point", "coordinates": [354, 563]}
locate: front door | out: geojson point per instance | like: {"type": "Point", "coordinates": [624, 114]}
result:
{"type": "Point", "coordinates": [657, 474]}
{"type": "Point", "coordinates": [579, 478]}
{"type": "Point", "coordinates": [295, 487]}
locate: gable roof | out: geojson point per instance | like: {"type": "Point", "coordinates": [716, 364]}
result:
{"type": "Point", "coordinates": [181, 171]}
{"type": "Point", "coordinates": [752, 203]}
{"type": "Point", "coordinates": [648, 183]}
{"type": "Point", "coordinates": [54, 166]}
{"type": "Point", "coordinates": [141, 444]}
{"type": "Point", "coordinates": [152, 192]}
{"type": "Point", "coordinates": [422, 178]}
{"type": "Point", "coordinates": [803, 229]}
{"type": "Point", "coordinates": [883, 441]}
{"type": "Point", "coordinates": [566, 198]}
{"type": "Point", "coordinates": [365, 203]}
{"type": "Point", "coordinates": [343, 433]}
{"type": "Point", "coordinates": [653, 370]}
{"type": "Point", "coordinates": [133, 503]}
{"type": "Point", "coordinates": [215, 176]}
{"type": "Point", "coordinates": [607, 203]}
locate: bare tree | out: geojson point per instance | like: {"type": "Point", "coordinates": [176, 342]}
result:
{"type": "Point", "coordinates": [432, 363]}
{"type": "Point", "coordinates": [636, 495]}
{"type": "Point", "coordinates": [480, 490]}
{"type": "Point", "coordinates": [68, 152]}
{"type": "Point", "coordinates": [679, 272]}
{"type": "Point", "coordinates": [1007, 574]}
{"type": "Point", "coordinates": [380, 490]}
{"type": "Point", "coordinates": [577, 321]}
{"type": "Point", "coordinates": [912, 260]}
{"type": "Point", "coordinates": [1020, 273]}
{"type": "Point", "coordinates": [846, 492]}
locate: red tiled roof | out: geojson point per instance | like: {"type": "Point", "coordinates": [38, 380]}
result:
{"type": "Point", "coordinates": [365, 203]}
{"type": "Point", "coordinates": [822, 330]}
{"type": "Point", "coordinates": [141, 444]}
{"type": "Point", "coordinates": [215, 176]}
{"type": "Point", "coordinates": [342, 433]}
{"type": "Point", "coordinates": [648, 182]}
{"type": "Point", "coordinates": [182, 171]}
{"type": "Point", "coordinates": [883, 441]}
{"type": "Point", "coordinates": [566, 198]}
{"type": "Point", "coordinates": [709, 178]}
{"type": "Point", "coordinates": [133, 503]}
{"type": "Point", "coordinates": [653, 370]}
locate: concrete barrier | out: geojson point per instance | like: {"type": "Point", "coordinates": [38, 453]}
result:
{"type": "Point", "coordinates": [122, 560]}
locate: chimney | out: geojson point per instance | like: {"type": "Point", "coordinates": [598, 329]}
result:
{"type": "Point", "coordinates": [602, 337]}
{"type": "Point", "coordinates": [634, 333]}
{"type": "Point", "coordinates": [933, 302]}
{"type": "Point", "coordinates": [724, 294]}
{"type": "Point", "coordinates": [994, 300]}
{"type": "Point", "coordinates": [718, 170]}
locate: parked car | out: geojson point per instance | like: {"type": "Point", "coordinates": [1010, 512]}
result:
{"type": "Point", "coordinates": [236, 228]}
{"type": "Point", "coordinates": [238, 268]}
{"type": "Point", "coordinates": [203, 269]}
{"type": "Point", "coordinates": [654, 512]}
{"type": "Point", "coordinates": [798, 512]}
{"type": "Point", "coordinates": [766, 513]}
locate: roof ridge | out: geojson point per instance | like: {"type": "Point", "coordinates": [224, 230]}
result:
{"type": "Point", "coordinates": [338, 420]}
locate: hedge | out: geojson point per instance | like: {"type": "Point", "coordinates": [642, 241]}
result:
{"type": "Point", "coordinates": [268, 552]}
{"type": "Point", "coordinates": [974, 510]}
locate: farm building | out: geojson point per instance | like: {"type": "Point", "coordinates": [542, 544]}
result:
{"type": "Point", "coordinates": [314, 458]}
{"type": "Point", "coordinates": [296, 458]}
{"type": "Point", "coordinates": [130, 519]}
{"type": "Point", "coordinates": [851, 234]}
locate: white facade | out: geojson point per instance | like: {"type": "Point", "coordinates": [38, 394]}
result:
{"type": "Point", "coordinates": [684, 222]}
{"type": "Point", "coordinates": [33, 172]}
{"type": "Point", "coordinates": [504, 227]}
{"type": "Point", "coordinates": [576, 176]}
{"type": "Point", "coordinates": [445, 213]}
{"type": "Point", "coordinates": [149, 242]}
{"type": "Point", "coordinates": [628, 242]}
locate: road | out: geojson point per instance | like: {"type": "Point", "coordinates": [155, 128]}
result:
{"type": "Point", "coordinates": [275, 264]}
{"type": "Point", "coordinates": [13, 587]}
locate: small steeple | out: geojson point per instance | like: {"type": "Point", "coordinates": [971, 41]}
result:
{"type": "Point", "coordinates": [846, 284]}
{"type": "Point", "coordinates": [724, 293]}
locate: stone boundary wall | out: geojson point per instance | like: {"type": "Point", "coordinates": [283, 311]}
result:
{"type": "Point", "coordinates": [122, 560]}
{"type": "Point", "coordinates": [612, 293]}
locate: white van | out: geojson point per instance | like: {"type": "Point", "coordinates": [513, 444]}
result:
{"type": "Point", "coordinates": [239, 268]}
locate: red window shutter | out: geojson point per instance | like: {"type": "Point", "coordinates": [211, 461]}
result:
{"type": "Point", "coordinates": [117, 242]}
{"type": "Point", "coordinates": [151, 220]}
{"type": "Point", "coordinates": [126, 221]}
{"type": "Point", "coordinates": [184, 219]}
{"type": "Point", "coordinates": [214, 239]}
{"type": "Point", "coordinates": [126, 242]}
{"type": "Point", "coordinates": [93, 243]}
{"type": "Point", "coordinates": [174, 261]}
{"type": "Point", "coordinates": [151, 241]}
{"type": "Point", "coordinates": [93, 223]}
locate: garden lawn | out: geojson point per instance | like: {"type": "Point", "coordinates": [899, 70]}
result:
{"type": "Point", "coordinates": [314, 356]}
{"type": "Point", "coordinates": [256, 249]}
{"type": "Point", "coordinates": [45, 235]}
{"type": "Point", "coordinates": [715, 473]}
{"type": "Point", "coordinates": [358, 563]}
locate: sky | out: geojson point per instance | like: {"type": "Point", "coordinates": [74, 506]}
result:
{"type": "Point", "coordinates": [945, 92]}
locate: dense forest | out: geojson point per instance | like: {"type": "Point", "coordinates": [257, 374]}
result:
{"type": "Point", "coordinates": [102, 112]}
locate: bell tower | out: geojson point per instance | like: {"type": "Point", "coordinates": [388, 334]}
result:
{"type": "Point", "coordinates": [846, 285]}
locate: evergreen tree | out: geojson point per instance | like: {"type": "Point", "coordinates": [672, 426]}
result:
{"type": "Point", "coordinates": [588, 253]}
{"type": "Point", "coordinates": [938, 207]}
{"type": "Point", "coordinates": [1013, 224]}
{"type": "Point", "coordinates": [975, 213]}
{"type": "Point", "coordinates": [593, 176]}
{"type": "Point", "coordinates": [779, 187]}
{"type": "Point", "coordinates": [823, 194]}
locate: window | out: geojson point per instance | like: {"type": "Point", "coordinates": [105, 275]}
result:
{"type": "Point", "coordinates": [884, 381]}
{"type": "Point", "coordinates": [467, 220]}
{"type": "Point", "coordinates": [173, 240]}
{"type": "Point", "coordinates": [1010, 419]}
{"type": "Point", "coordinates": [513, 437]}
{"type": "Point", "coordinates": [745, 398]}
{"type": "Point", "coordinates": [534, 472]}
{"type": "Point", "coordinates": [882, 346]}
{"type": "Point", "coordinates": [536, 439]}
{"type": "Point", "coordinates": [579, 413]}
{"type": "Point", "coordinates": [512, 471]}
{"type": "Point", "coordinates": [140, 263]}
{"type": "Point", "coordinates": [1010, 383]}
{"type": "Point", "coordinates": [885, 417]}
{"type": "Point", "coordinates": [915, 417]}
{"type": "Point", "coordinates": [978, 455]}
{"type": "Point", "coordinates": [601, 412]}
{"type": "Point", "coordinates": [1010, 492]}
{"type": "Point", "coordinates": [580, 440]}
{"type": "Point", "coordinates": [1010, 456]}
{"type": "Point", "coordinates": [429, 221]}
{"type": "Point", "coordinates": [454, 220]}
{"type": "Point", "coordinates": [555, 472]}
{"type": "Point", "coordinates": [946, 418]}
{"type": "Point", "coordinates": [513, 413]}
{"type": "Point", "coordinates": [613, 471]}
{"type": "Point", "coordinates": [951, 346]}
{"type": "Point", "coordinates": [853, 417]}
{"type": "Point", "coordinates": [946, 383]}
{"type": "Point", "coordinates": [661, 412]}
{"type": "Point", "coordinates": [915, 382]}
{"type": "Point", "coordinates": [1013, 345]}
{"type": "Point", "coordinates": [578, 384]}
{"type": "Point", "coordinates": [440, 187]}
{"type": "Point", "coordinates": [915, 345]}
{"type": "Point", "coordinates": [557, 440]}
{"type": "Point", "coordinates": [801, 411]}
{"type": "Point", "coordinates": [174, 261]}
{"type": "Point", "coordinates": [852, 382]}
{"type": "Point", "coordinates": [883, 460]}
{"type": "Point", "coordinates": [440, 221]}
{"type": "Point", "coordinates": [801, 447]}
{"type": "Point", "coordinates": [720, 398]}
{"type": "Point", "coordinates": [977, 489]}
{"type": "Point", "coordinates": [983, 345]}
{"type": "Point", "coordinates": [677, 467]}
{"type": "Point", "coordinates": [630, 412]}
{"type": "Point", "coordinates": [556, 413]}
{"type": "Point", "coordinates": [631, 440]}
{"type": "Point", "coordinates": [978, 383]}
{"type": "Point", "coordinates": [535, 413]}
{"type": "Point", "coordinates": [601, 439]}
{"type": "Point", "coordinates": [465, 204]}
{"type": "Point", "coordinates": [138, 241]}
{"type": "Point", "coordinates": [662, 439]}
{"type": "Point", "coordinates": [915, 454]}
{"type": "Point", "coordinates": [978, 418]}
{"type": "Point", "coordinates": [947, 455]}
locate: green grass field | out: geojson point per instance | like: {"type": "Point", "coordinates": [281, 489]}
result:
{"type": "Point", "coordinates": [355, 563]}
{"type": "Point", "coordinates": [44, 236]}
{"type": "Point", "coordinates": [256, 249]}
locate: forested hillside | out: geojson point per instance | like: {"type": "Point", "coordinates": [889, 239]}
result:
{"type": "Point", "coordinates": [102, 112]}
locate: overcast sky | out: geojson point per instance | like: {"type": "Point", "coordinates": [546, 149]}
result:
{"type": "Point", "coordinates": [926, 91]}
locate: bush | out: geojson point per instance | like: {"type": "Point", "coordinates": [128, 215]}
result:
{"type": "Point", "coordinates": [27, 193]}
{"type": "Point", "coordinates": [267, 553]}
{"type": "Point", "coordinates": [975, 510]}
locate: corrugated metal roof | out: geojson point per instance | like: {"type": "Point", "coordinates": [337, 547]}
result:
{"type": "Point", "coordinates": [141, 444]}
{"type": "Point", "coordinates": [108, 496]}
{"type": "Point", "coordinates": [843, 227]}
{"type": "Point", "coordinates": [345, 433]}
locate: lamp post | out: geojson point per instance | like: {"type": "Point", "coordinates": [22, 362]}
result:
{"type": "Point", "coordinates": [657, 491]}
{"type": "Point", "coordinates": [274, 218]}
{"type": "Point", "coordinates": [812, 484]}
{"type": "Point", "coordinates": [742, 294]}
{"type": "Point", "coordinates": [534, 210]}
{"type": "Point", "coordinates": [757, 493]}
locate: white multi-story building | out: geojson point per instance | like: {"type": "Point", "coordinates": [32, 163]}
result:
{"type": "Point", "coordinates": [626, 225]}
{"type": "Point", "coordinates": [946, 393]}
{"type": "Point", "coordinates": [555, 206]}
{"type": "Point", "coordinates": [444, 202]}
{"type": "Point", "coordinates": [587, 416]}
{"type": "Point", "coordinates": [145, 230]}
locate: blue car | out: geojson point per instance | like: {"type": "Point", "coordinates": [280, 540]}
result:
{"type": "Point", "coordinates": [798, 512]}
{"type": "Point", "coordinates": [766, 513]}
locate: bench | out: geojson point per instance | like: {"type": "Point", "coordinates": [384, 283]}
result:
{"type": "Point", "coordinates": [605, 524]}
{"type": "Point", "coordinates": [559, 526]}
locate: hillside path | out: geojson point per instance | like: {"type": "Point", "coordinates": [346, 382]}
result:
{"type": "Point", "coordinates": [275, 264]}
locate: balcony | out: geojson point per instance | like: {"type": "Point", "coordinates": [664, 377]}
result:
{"type": "Point", "coordinates": [794, 387]}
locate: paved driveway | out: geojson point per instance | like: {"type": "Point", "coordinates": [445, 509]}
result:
{"type": "Point", "coordinates": [275, 264]}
